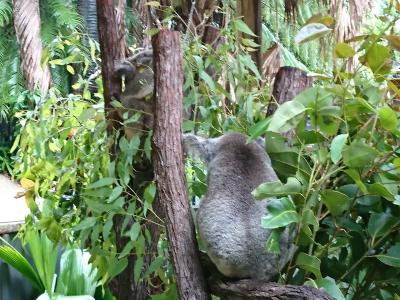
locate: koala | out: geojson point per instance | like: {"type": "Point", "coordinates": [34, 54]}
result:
{"type": "Point", "coordinates": [138, 93]}
{"type": "Point", "coordinates": [229, 218]}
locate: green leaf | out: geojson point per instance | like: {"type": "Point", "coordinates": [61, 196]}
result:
{"type": "Point", "coordinates": [392, 256]}
{"type": "Point", "coordinates": [77, 276]}
{"type": "Point", "coordinates": [116, 192]}
{"type": "Point", "coordinates": [137, 269]}
{"type": "Point", "coordinates": [381, 190]}
{"type": "Point", "coordinates": [358, 155]}
{"type": "Point", "coordinates": [15, 259]}
{"type": "Point", "coordinates": [311, 32]}
{"type": "Point", "coordinates": [208, 80]}
{"type": "Point", "coordinates": [308, 217]}
{"type": "Point", "coordinates": [242, 26]}
{"type": "Point", "coordinates": [337, 145]}
{"type": "Point", "coordinates": [287, 116]}
{"type": "Point", "coordinates": [378, 59]}
{"type": "Point", "coordinates": [86, 223]}
{"type": "Point", "coordinates": [380, 223]}
{"type": "Point", "coordinates": [355, 175]}
{"type": "Point", "coordinates": [281, 212]}
{"type": "Point", "coordinates": [258, 129]}
{"type": "Point", "coordinates": [329, 285]}
{"type": "Point", "coordinates": [134, 231]}
{"type": "Point", "coordinates": [336, 202]}
{"type": "Point", "coordinates": [309, 263]}
{"type": "Point", "coordinates": [388, 118]}
{"type": "Point", "coordinates": [277, 188]}
{"type": "Point", "coordinates": [344, 50]}
{"type": "Point", "coordinates": [100, 183]}
{"type": "Point", "coordinates": [272, 243]}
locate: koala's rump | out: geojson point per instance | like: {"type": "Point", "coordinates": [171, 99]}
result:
{"type": "Point", "coordinates": [234, 239]}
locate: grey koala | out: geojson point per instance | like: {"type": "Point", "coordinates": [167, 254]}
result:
{"type": "Point", "coordinates": [137, 96]}
{"type": "Point", "coordinates": [229, 218]}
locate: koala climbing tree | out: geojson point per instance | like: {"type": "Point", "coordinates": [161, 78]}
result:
{"type": "Point", "coordinates": [229, 218]}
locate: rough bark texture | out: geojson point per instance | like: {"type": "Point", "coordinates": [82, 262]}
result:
{"type": "Point", "coordinates": [251, 12]}
{"type": "Point", "coordinates": [289, 82]}
{"type": "Point", "coordinates": [257, 290]}
{"type": "Point", "coordinates": [168, 166]}
{"type": "Point", "coordinates": [109, 38]}
{"type": "Point", "coordinates": [27, 28]}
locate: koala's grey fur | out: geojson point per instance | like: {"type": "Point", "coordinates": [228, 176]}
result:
{"type": "Point", "coordinates": [138, 93]}
{"type": "Point", "coordinates": [229, 218]}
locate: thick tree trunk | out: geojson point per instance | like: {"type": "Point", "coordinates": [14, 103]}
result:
{"type": "Point", "coordinates": [260, 290]}
{"type": "Point", "coordinates": [168, 166]}
{"type": "Point", "coordinates": [289, 82]}
{"type": "Point", "coordinates": [123, 285]}
{"type": "Point", "coordinates": [251, 12]}
{"type": "Point", "coordinates": [27, 27]}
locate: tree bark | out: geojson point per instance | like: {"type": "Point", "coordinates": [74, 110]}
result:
{"type": "Point", "coordinates": [123, 285]}
{"type": "Point", "coordinates": [289, 82]}
{"type": "Point", "coordinates": [168, 166]}
{"type": "Point", "coordinates": [260, 290]}
{"type": "Point", "coordinates": [251, 12]}
{"type": "Point", "coordinates": [27, 28]}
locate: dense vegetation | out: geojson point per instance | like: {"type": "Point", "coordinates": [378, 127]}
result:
{"type": "Point", "coordinates": [339, 172]}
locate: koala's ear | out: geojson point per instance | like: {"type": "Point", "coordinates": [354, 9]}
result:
{"type": "Point", "coordinates": [261, 142]}
{"type": "Point", "coordinates": [199, 147]}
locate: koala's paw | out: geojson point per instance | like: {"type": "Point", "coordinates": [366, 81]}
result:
{"type": "Point", "coordinates": [126, 69]}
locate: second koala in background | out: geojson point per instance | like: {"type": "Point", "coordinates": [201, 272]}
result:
{"type": "Point", "coordinates": [229, 218]}
{"type": "Point", "coordinates": [137, 96]}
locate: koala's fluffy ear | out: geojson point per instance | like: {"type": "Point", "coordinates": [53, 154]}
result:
{"type": "Point", "coordinates": [199, 147]}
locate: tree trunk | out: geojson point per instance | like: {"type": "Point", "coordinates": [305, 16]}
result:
{"type": "Point", "coordinates": [27, 28]}
{"type": "Point", "coordinates": [260, 290]}
{"type": "Point", "coordinates": [123, 285]}
{"type": "Point", "coordinates": [251, 12]}
{"type": "Point", "coordinates": [87, 9]}
{"type": "Point", "coordinates": [289, 82]}
{"type": "Point", "coordinates": [168, 166]}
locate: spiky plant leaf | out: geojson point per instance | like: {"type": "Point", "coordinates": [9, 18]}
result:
{"type": "Point", "coordinates": [11, 256]}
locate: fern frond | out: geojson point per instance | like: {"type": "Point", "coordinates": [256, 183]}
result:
{"type": "Point", "coordinates": [5, 12]}
{"type": "Point", "coordinates": [65, 14]}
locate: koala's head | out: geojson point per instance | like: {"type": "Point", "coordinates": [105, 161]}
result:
{"type": "Point", "coordinates": [207, 148]}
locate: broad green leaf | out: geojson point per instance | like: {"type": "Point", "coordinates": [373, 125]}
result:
{"type": "Point", "coordinates": [208, 80]}
{"type": "Point", "coordinates": [336, 202]}
{"type": "Point", "coordinates": [344, 50]}
{"type": "Point", "coordinates": [381, 190]}
{"type": "Point", "coordinates": [329, 285]}
{"type": "Point", "coordinates": [281, 212]}
{"type": "Point", "coordinates": [287, 117]}
{"type": "Point", "coordinates": [137, 270]}
{"type": "Point", "coordinates": [388, 118]}
{"type": "Point", "coordinates": [337, 146]}
{"type": "Point", "coordinates": [378, 59]}
{"type": "Point", "coordinates": [116, 192]}
{"type": "Point", "coordinates": [309, 263]}
{"type": "Point", "coordinates": [391, 257]}
{"type": "Point", "coordinates": [358, 155]}
{"type": "Point", "coordinates": [311, 32]}
{"type": "Point", "coordinates": [101, 182]}
{"type": "Point", "coordinates": [320, 18]}
{"type": "Point", "coordinates": [277, 188]}
{"type": "Point", "coordinates": [380, 223]}
{"type": "Point", "coordinates": [117, 266]}
{"type": "Point", "coordinates": [287, 164]}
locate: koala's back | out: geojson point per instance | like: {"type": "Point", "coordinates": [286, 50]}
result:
{"type": "Point", "coordinates": [229, 218]}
